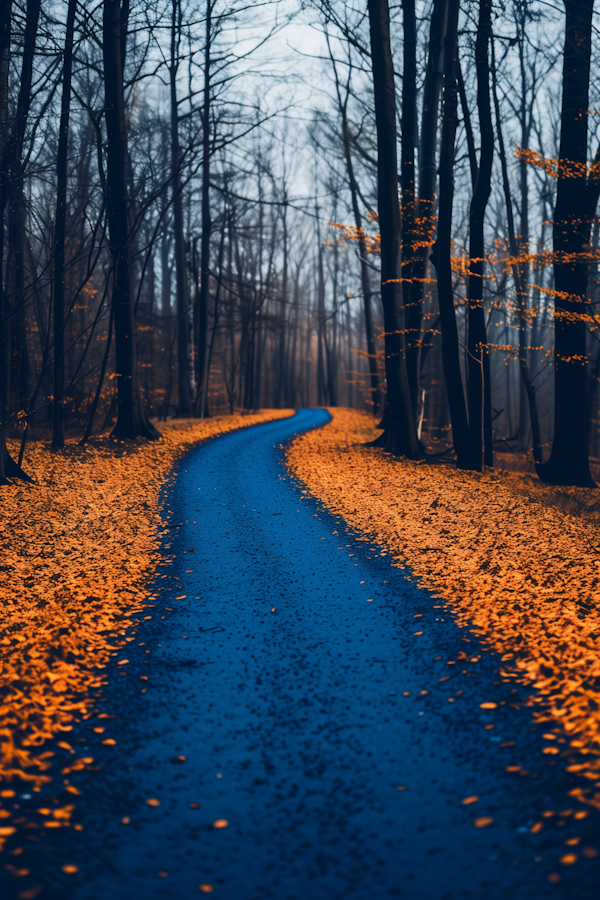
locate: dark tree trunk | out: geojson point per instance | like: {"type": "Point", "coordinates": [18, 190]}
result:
{"type": "Point", "coordinates": [60, 223]}
{"type": "Point", "coordinates": [11, 180]}
{"type": "Point", "coordinates": [131, 423]}
{"type": "Point", "coordinates": [201, 311]}
{"type": "Point", "coordinates": [426, 200]}
{"type": "Point", "coordinates": [165, 287]}
{"type": "Point", "coordinates": [526, 394]}
{"type": "Point", "coordinates": [183, 359]}
{"type": "Point", "coordinates": [568, 462]}
{"type": "Point", "coordinates": [402, 432]}
{"type": "Point", "coordinates": [365, 280]}
{"type": "Point", "coordinates": [407, 182]}
{"type": "Point", "coordinates": [18, 376]}
{"type": "Point", "coordinates": [480, 407]}
{"type": "Point", "coordinates": [321, 390]}
{"type": "Point", "coordinates": [441, 255]}
{"type": "Point", "coordinates": [90, 423]}
{"type": "Point", "coordinates": [519, 280]}
{"type": "Point", "coordinates": [284, 321]}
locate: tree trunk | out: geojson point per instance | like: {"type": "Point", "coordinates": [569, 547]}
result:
{"type": "Point", "coordinates": [183, 299]}
{"type": "Point", "coordinates": [426, 200]}
{"type": "Point", "coordinates": [407, 182]}
{"type": "Point", "coordinates": [60, 222]}
{"type": "Point", "coordinates": [478, 361]}
{"type": "Point", "coordinates": [131, 423]}
{"type": "Point", "coordinates": [568, 462]}
{"type": "Point", "coordinates": [519, 280]}
{"type": "Point", "coordinates": [365, 280]}
{"type": "Point", "coordinates": [403, 435]}
{"type": "Point", "coordinates": [201, 311]}
{"type": "Point", "coordinates": [165, 269]}
{"type": "Point", "coordinates": [11, 177]}
{"type": "Point", "coordinates": [441, 255]}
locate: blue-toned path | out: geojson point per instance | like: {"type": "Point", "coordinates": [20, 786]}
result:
{"type": "Point", "coordinates": [294, 678]}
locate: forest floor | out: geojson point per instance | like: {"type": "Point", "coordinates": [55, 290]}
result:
{"type": "Point", "coordinates": [516, 560]}
{"type": "Point", "coordinates": [280, 709]}
{"type": "Point", "coordinates": [79, 548]}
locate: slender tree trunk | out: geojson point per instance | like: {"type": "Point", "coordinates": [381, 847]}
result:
{"type": "Point", "coordinates": [525, 394]}
{"type": "Point", "coordinates": [60, 222]}
{"type": "Point", "coordinates": [403, 437]}
{"type": "Point", "coordinates": [90, 423]}
{"type": "Point", "coordinates": [5, 35]}
{"type": "Point", "coordinates": [478, 362]}
{"type": "Point", "coordinates": [441, 256]}
{"type": "Point", "coordinates": [568, 462]}
{"type": "Point", "coordinates": [11, 181]}
{"type": "Point", "coordinates": [131, 423]}
{"type": "Point", "coordinates": [519, 279]}
{"type": "Point", "coordinates": [183, 361]}
{"type": "Point", "coordinates": [18, 376]}
{"type": "Point", "coordinates": [202, 302]}
{"type": "Point", "coordinates": [408, 184]}
{"type": "Point", "coordinates": [284, 320]}
{"type": "Point", "coordinates": [427, 179]}
{"type": "Point", "coordinates": [365, 280]}
{"type": "Point", "coordinates": [166, 281]}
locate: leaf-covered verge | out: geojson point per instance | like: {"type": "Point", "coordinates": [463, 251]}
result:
{"type": "Point", "coordinates": [78, 550]}
{"type": "Point", "coordinates": [516, 561]}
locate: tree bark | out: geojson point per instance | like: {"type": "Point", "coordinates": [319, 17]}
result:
{"type": "Point", "coordinates": [423, 234]}
{"type": "Point", "coordinates": [131, 423]}
{"type": "Point", "coordinates": [568, 463]}
{"type": "Point", "coordinates": [407, 182]}
{"type": "Point", "coordinates": [402, 431]}
{"type": "Point", "coordinates": [441, 255]}
{"type": "Point", "coordinates": [181, 276]}
{"type": "Point", "coordinates": [201, 311]}
{"type": "Point", "coordinates": [478, 361]}
{"type": "Point", "coordinates": [519, 280]}
{"type": "Point", "coordinates": [60, 222]}
{"type": "Point", "coordinates": [11, 178]}
{"type": "Point", "coordinates": [365, 280]}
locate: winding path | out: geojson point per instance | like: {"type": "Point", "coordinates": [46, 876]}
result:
{"type": "Point", "coordinates": [299, 676]}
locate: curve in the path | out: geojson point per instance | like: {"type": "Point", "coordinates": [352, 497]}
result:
{"type": "Point", "coordinates": [298, 673]}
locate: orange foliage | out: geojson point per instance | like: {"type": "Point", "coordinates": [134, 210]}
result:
{"type": "Point", "coordinates": [556, 168]}
{"type": "Point", "coordinates": [523, 575]}
{"type": "Point", "coordinates": [352, 233]}
{"type": "Point", "coordinates": [81, 545]}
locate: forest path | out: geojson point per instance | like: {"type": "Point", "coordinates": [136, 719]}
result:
{"type": "Point", "coordinates": [296, 725]}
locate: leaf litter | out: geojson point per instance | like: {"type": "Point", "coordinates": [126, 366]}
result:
{"type": "Point", "coordinates": [515, 561]}
{"type": "Point", "coordinates": [79, 549]}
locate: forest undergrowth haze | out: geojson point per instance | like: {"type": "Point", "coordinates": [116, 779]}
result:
{"type": "Point", "coordinates": [520, 572]}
